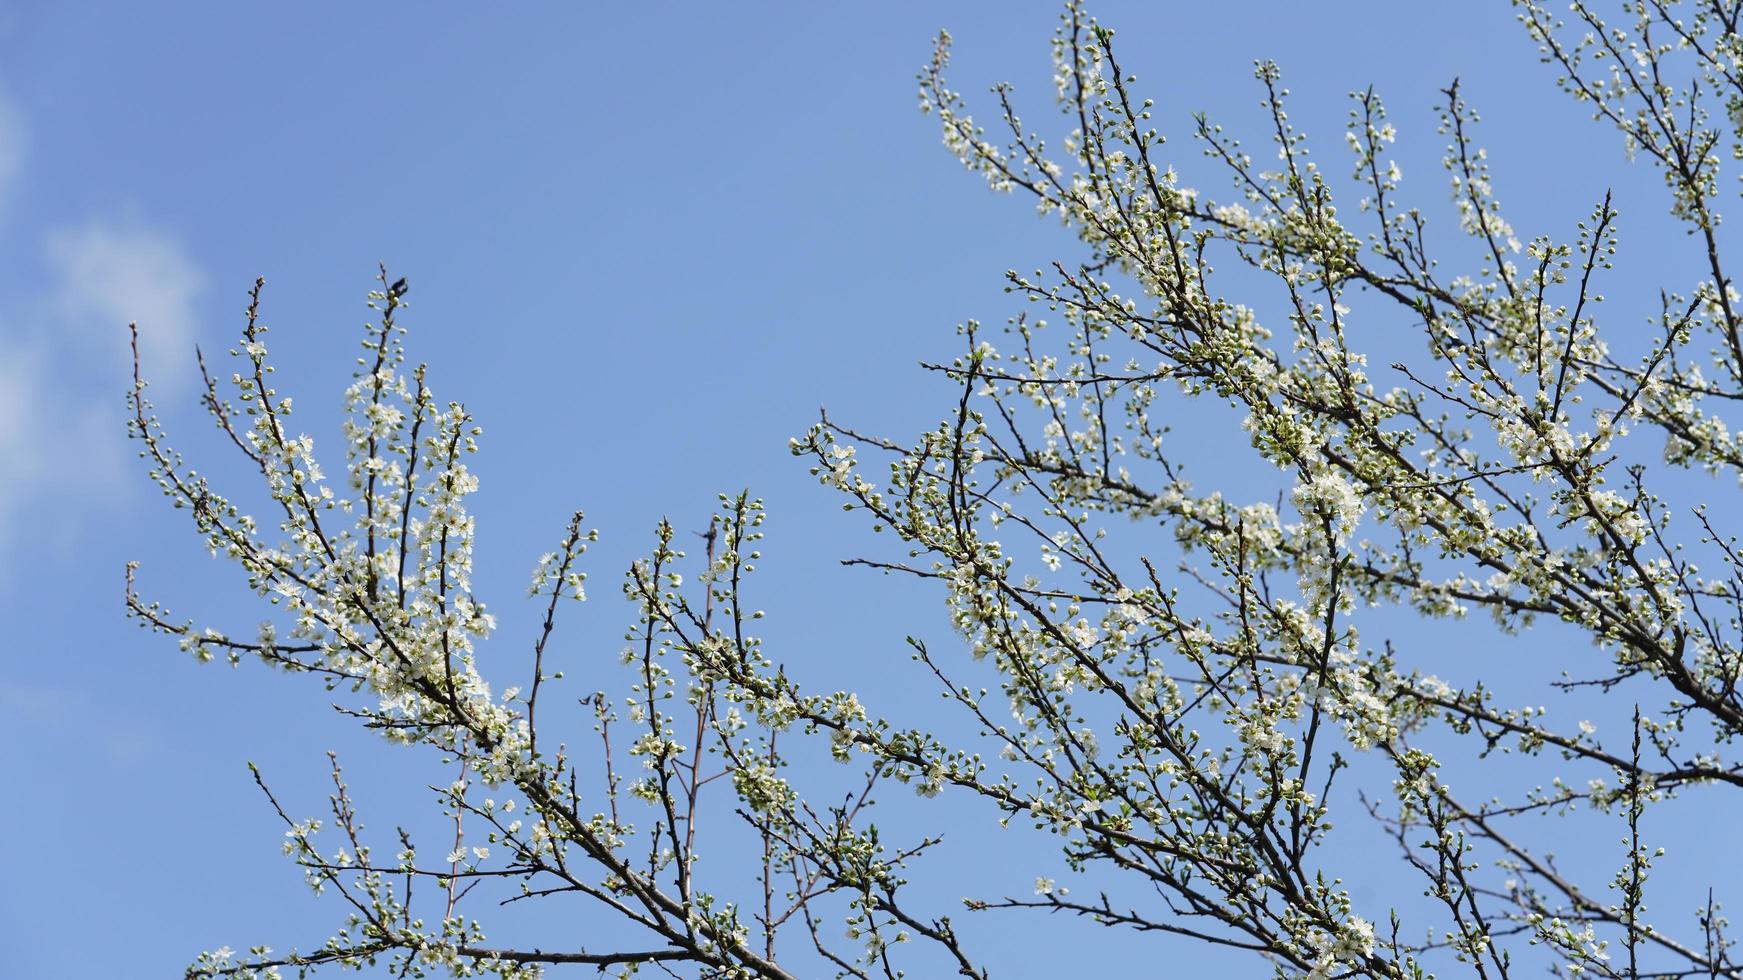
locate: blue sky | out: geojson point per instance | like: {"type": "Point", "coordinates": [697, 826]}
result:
{"type": "Point", "coordinates": [645, 244]}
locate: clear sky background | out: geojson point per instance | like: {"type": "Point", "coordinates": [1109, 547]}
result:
{"type": "Point", "coordinates": [645, 243]}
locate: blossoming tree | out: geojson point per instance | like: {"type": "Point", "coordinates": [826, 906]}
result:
{"type": "Point", "coordinates": [1181, 697]}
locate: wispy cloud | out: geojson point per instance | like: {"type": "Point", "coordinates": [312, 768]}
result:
{"type": "Point", "coordinates": [62, 711]}
{"type": "Point", "coordinates": [106, 277]}
{"type": "Point", "coordinates": [14, 138]}
{"type": "Point", "coordinates": [63, 356]}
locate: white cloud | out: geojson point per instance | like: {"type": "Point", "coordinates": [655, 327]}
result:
{"type": "Point", "coordinates": [19, 369]}
{"type": "Point", "coordinates": [31, 447]}
{"type": "Point", "coordinates": [14, 137]}
{"type": "Point", "coordinates": [52, 441]}
{"type": "Point", "coordinates": [63, 711]}
{"type": "Point", "coordinates": [61, 449]}
{"type": "Point", "coordinates": [64, 362]}
{"type": "Point", "coordinates": [107, 277]}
